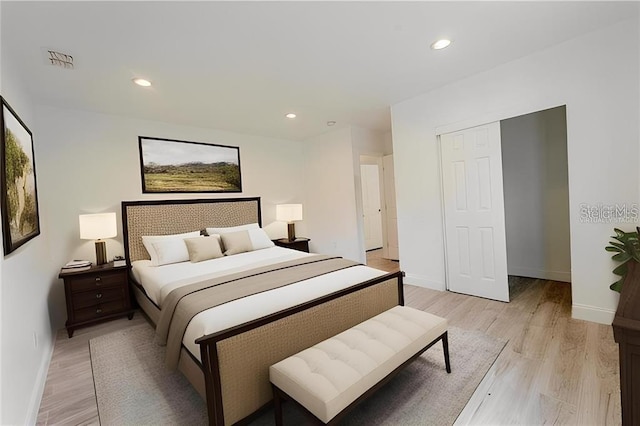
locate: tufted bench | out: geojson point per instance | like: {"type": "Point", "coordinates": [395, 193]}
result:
{"type": "Point", "coordinates": [337, 373]}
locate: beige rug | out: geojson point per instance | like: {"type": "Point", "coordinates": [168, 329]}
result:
{"type": "Point", "coordinates": [134, 388]}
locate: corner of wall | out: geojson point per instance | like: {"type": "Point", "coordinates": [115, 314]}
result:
{"type": "Point", "coordinates": [592, 313]}
{"type": "Point", "coordinates": [421, 281]}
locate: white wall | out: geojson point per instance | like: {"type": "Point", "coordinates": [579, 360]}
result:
{"type": "Point", "coordinates": [25, 277]}
{"type": "Point", "coordinates": [388, 143]}
{"type": "Point", "coordinates": [598, 82]}
{"type": "Point", "coordinates": [536, 195]}
{"type": "Point", "coordinates": [330, 204]}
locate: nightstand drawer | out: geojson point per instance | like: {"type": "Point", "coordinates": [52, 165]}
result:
{"type": "Point", "coordinates": [96, 294]}
{"type": "Point", "coordinates": [93, 298]}
{"type": "Point", "coordinates": [96, 281]}
{"type": "Point", "coordinates": [99, 310]}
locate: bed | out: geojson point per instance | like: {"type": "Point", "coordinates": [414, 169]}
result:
{"type": "Point", "coordinates": [226, 350]}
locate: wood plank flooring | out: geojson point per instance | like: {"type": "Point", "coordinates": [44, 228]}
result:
{"type": "Point", "coordinates": [375, 260]}
{"type": "Point", "coordinates": [554, 369]}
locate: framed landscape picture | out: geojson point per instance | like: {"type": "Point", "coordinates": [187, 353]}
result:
{"type": "Point", "coordinates": [169, 165]}
{"type": "Point", "coordinates": [20, 221]}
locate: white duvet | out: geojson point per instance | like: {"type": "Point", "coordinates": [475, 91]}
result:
{"type": "Point", "coordinates": [158, 281]}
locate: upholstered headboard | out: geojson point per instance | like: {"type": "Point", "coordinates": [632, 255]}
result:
{"type": "Point", "coordinates": [164, 217]}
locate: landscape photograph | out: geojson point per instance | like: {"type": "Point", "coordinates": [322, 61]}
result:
{"type": "Point", "coordinates": [180, 166]}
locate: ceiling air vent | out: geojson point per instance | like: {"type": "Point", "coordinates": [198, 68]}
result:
{"type": "Point", "coordinates": [59, 59]}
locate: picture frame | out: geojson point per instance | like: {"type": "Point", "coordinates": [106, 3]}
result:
{"type": "Point", "coordinates": [19, 192]}
{"type": "Point", "coordinates": [176, 166]}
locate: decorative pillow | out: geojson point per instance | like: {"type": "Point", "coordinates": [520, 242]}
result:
{"type": "Point", "coordinates": [236, 242]}
{"type": "Point", "coordinates": [217, 237]}
{"type": "Point", "coordinates": [203, 248]}
{"type": "Point", "coordinates": [212, 231]}
{"type": "Point", "coordinates": [148, 241]}
{"type": "Point", "coordinates": [246, 240]}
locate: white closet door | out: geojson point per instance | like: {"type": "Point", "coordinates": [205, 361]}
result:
{"type": "Point", "coordinates": [474, 212]}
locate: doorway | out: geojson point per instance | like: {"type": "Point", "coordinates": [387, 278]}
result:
{"type": "Point", "coordinates": [371, 206]}
{"type": "Point", "coordinates": [506, 203]}
{"type": "Point", "coordinates": [378, 197]}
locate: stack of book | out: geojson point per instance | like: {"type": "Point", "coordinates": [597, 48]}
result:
{"type": "Point", "coordinates": [75, 265]}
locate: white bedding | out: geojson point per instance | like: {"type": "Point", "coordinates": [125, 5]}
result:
{"type": "Point", "coordinates": [158, 281]}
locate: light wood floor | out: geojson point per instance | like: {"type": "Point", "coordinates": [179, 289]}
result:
{"type": "Point", "coordinates": [375, 260]}
{"type": "Point", "coordinates": [554, 369]}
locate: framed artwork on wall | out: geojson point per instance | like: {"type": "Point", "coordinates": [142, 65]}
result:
{"type": "Point", "coordinates": [168, 165]}
{"type": "Point", "coordinates": [19, 198]}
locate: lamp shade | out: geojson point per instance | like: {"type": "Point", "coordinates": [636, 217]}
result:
{"type": "Point", "coordinates": [289, 212]}
{"type": "Point", "coordinates": [98, 226]}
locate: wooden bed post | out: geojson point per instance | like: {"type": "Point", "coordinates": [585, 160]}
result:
{"type": "Point", "coordinates": [209, 357]}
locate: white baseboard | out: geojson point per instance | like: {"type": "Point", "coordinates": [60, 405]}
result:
{"type": "Point", "coordinates": [41, 380]}
{"type": "Point", "coordinates": [540, 273]}
{"type": "Point", "coordinates": [592, 313]}
{"type": "Point", "coordinates": [421, 281]}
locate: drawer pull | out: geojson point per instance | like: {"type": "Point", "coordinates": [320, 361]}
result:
{"type": "Point", "coordinates": [98, 311]}
{"type": "Point", "coordinates": [98, 295]}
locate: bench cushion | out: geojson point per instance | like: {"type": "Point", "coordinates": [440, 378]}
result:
{"type": "Point", "coordinates": [329, 376]}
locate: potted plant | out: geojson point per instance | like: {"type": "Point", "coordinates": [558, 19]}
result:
{"type": "Point", "coordinates": [626, 248]}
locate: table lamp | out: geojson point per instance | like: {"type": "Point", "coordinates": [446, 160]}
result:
{"type": "Point", "coordinates": [96, 227]}
{"type": "Point", "coordinates": [289, 213]}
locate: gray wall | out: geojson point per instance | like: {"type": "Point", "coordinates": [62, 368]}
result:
{"type": "Point", "coordinates": [534, 158]}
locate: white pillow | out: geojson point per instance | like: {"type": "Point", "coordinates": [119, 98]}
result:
{"type": "Point", "coordinates": [149, 240]}
{"type": "Point", "coordinates": [228, 229]}
{"type": "Point", "coordinates": [172, 250]}
{"type": "Point", "coordinates": [260, 239]}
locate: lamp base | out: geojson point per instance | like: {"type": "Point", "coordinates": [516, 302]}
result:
{"type": "Point", "coordinates": [291, 231]}
{"type": "Point", "coordinates": [101, 252]}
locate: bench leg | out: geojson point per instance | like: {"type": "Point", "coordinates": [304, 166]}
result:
{"type": "Point", "coordinates": [445, 348]}
{"type": "Point", "coordinates": [277, 402]}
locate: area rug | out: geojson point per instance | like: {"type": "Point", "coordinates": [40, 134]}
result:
{"type": "Point", "coordinates": [133, 387]}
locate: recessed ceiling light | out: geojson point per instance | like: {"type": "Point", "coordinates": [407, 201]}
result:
{"type": "Point", "coordinates": [331, 123]}
{"type": "Point", "coordinates": [290, 115]}
{"type": "Point", "coordinates": [441, 44]}
{"type": "Point", "coordinates": [142, 82]}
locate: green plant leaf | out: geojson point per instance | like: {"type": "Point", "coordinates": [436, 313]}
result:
{"type": "Point", "coordinates": [626, 248]}
{"type": "Point", "coordinates": [616, 245]}
{"type": "Point", "coordinates": [617, 286]}
{"type": "Point", "coordinates": [622, 257]}
{"type": "Point", "coordinates": [621, 269]}
{"type": "Point", "coordinates": [618, 232]}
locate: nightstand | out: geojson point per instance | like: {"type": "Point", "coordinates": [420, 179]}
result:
{"type": "Point", "coordinates": [96, 294]}
{"type": "Point", "coordinates": [300, 244]}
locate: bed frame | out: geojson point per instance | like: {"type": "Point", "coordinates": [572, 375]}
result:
{"type": "Point", "coordinates": [233, 376]}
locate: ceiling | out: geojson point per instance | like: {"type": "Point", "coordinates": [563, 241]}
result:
{"type": "Point", "coordinates": [241, 66]}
